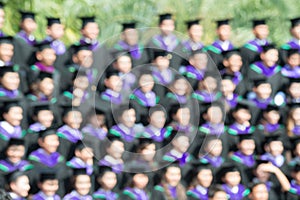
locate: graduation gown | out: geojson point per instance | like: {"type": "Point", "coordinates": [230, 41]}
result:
{"type": "Point", "coordinates": [158, 193]}
{"type": "Point", "coordinates": [41, 196]}
{"type": "Point", "coordinates": [134, 194]}
{"type": "Point", "coordinates": [105, 195]}
{"type": "Point", "coordinates": [75, 196]}
{"type": "Point", "coordinates": [236, 195]}
{"type": "Point", "coordinates": [198, 192]}
{"type": "Point", "coordinates": [8, 131]}
{"type": "Point", "coordinates": [192, 74]}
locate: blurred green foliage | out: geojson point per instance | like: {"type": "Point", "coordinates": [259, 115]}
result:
{"type": "Point", "coordinates": [110, 13]}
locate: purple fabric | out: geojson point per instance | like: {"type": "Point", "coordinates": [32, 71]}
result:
{"type": "Point", "coordinates": [50, 160]}
{"type": "Point", "coordinates": [9, 93]}
{"type": "Point", "coordinates": [30, 40]}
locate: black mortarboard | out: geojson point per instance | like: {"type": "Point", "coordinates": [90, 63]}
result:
{"type": "Point", "coordinates": [111, 72]}
{"type": "Point", "coordinates": [258, 82]}
{"type": "Point", "coordinates": [99, 110]}
{"type": "Point", "coordinates": [271, 138]}
{"type": "Point", "coordinates": [242, 105]}
{"type": "Point", "coordinates": [160, 52]}
{"type": "Point", "coordinates": [294, 105]}
{"type": "Point", "coordinates": [295, 21]}
{"type": "Point", "coordinates": [2, 5]}
{"type": "Point", "coordinates": [78, 73]}
{"type": "Point", "coordinates": [6, 40]}
{"type": "Point", "coordinates": [79, 47]}
{"type": "Point", "coordinates": [294, 141]}
{"type": "Point", "coordinates": [79, 171]}
{"type": "Point", "coordinates": [52, 20]}
{"type": "Point", "coordinates": [14, 175]}
{"type": "Point", "coordinates": [271, 107]}
{"type": "Point", "coordinates": [103, 169]}
{"type": "Point", "coordinates": [164, 16]}
{"type": "Point", "coordinates": [222, 22]}
{"type": "Point", "coordinates": [156, 108]}
{"type": "Point", "coordinates": [198, 51]}
{"type": "Point", "coordinates": [68, 108]}
{"type": "Point", "coordinates": [15, 141]}
{"type": "Point", "coordinates": [27, 14]}
{"type": "Point", "coordinates": [296, 168]}
{"type": "Point", "coordinates": [190, 23]}
{"type": "Point", "coordinates": [49, 175]}
{"type": "Point", "coordinates": [294, 80]}
{"type": "Point", "coordinates": [245, 137]}
{"type": "Point", "coordinates": [112, 138]}
{"type": "Point", "coordinates": [46, 132]}
{"type": "Point", "coordinates": [268, 47]}
{"type": "Point", "coordinates": [292, 52]}
{"type": "Point", "coordinates": [257, 22]}
{"type": "Point", "coordinates": [42, 45]}
{"type": "Point", "coordinates": [228, 168]}
{"type": "Point", "coordinates": [143, 140]}
{"type": "Point", "coordinates": [9, 103]}
{"type": "Point", "coordinates": [228, 77]}
{"type": "Point", "coordinates": [86, 20]}
{"type": "Point", "coordinates": [128, 25]}
{"type": "Point", "coordinates": [259, 161]}
{"type": "Point", "coordinates": [118, 54]}
{"type": "Point", "coordinates": [37, 107]}
{"type": "Point", "coordinates": [43, 75]}
{"type": "Point", "coordinates": [229, 53]}
{"type": "Point", "coordinates": [81, 145]}
{"type": "Point", "coordinates": [6, 69]}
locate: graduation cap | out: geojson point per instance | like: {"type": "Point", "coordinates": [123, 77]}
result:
{"type": "Point", "coordinates": [27, 15]}
{"type": "Point", "coordinates": [230, 167]}
{"type": "Point", "coordinates": [245, 137]}
{"type": "Point", "coordinates": [260, 161]}
{"type": "Point", "coordinates": [16, 142]}
{"type": "Point", "coordinates": [197, 51]}
{"type": "Point", "coordinates": [295, 141]}
{"type": "Point", "coordinates": [111, 72]}
{"type": "Point", "coordinates": [37, 107]}
{"type": "Point", "coordinates": [190, 23]}
{"type": "Point", "coordinates": [42, 75]}
{"type": "Point", "coordinates": [227, 76]}
{"type": "Point", "coordinates": [163, 53]}
{"type": "Point", "coordinates": [260, 81]}
{"type": "Point", "coordinates": [296, 168]}
{"type": "Point", "coordinates": [291, 52]}
{"type": "Point", "coordinates": [271, 138]}
{"type": "Point", "coordinates": [49, 175]}
{"type": "Point", "coordinates": [81, 145]}
{"type": "Point", "coordinates": [78, 73]}
{"type": "Point", "coordinates": [78, 47]}
{"type": "Point", "coordinates": [43, 45]}
{"type": "Point", "coordinates": [6, 40]}
{"type": "Point", "coordinates": [13, 176]}
{"type": "Point", "coordinates": [128, 25]}
{"type": "Point", "coordinates": [295, 22]}
{"type": "Point", "coordinates": [294, 80]}
{"type": "Point", "coordinates": [271, 107]}
{"type": "Point", "coordinates": [2, 5]}
{"type": "Point", "coordinates": [164, 16]}
{"type": "Point", "coordinates": [68, 108]}
{"type": "Point", "coordinates": [86, 20]}
{"type": "Point", "coordinates": [9, 103]}
{"type": "Point", "coordinates": [52, 20]}
{"type": "Point", "coordinates": [242, 105]}
{"type": "Point", "coordinates": [7, 69]}
{"type": "Point", "coordinates": [222, 22]}
{"type": "Point", "coordinates": [118, 54]}
{"type": "Point", "coordinates": [268, 47]}
{"type": "Point", "coordinates": [103, 169]}
{"type": "Point", "coordinates": [99, 110]}
{"type": "Point", "coordinates": [257, 22]}
{"type": "Point", "coordinates": [79, 171]}
{"type": "Point", "coordinates": [46, 132]}
{"type": "Point", "coordinates": [229, 53]}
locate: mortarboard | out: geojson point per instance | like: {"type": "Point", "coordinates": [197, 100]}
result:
{"type": "Point", "coordinates": [110, 73]}
{"type": "Point", "coordinates": [296, 168]}
{"type": "Point", "coordinates": [294, 141]}
{"type": "Point", "coordinates": [2, 5]}
{"type": "Point", "coordinates": [242, 105]}
{"type": "Point", "coordinates": [46, 132]}
{"type": "Point", "coordinates": [78, 47]}
{"type": "Point", "coordinates": [295, 22]}
{"type": "Point", "coordinates": [118, 54]}
{"type": "Point", "coordinates": [229, 167]}
{"type": "Point", "coordinates": [245, 137]}
{"type": "Point", "coordinates": [37, 107]}
{"type": "Point", "coordinates": [86, 20]}
{"type": "Point", "coordinates": [198, 51]}
{"type": "Point", "coordinates": [99, 110]}
{"type": "Point", "coordinates": [52, 20]}
{"type": "Point", "coordinates": [222, 22]}
{"type": "Point", "coordinates": [48, 175]}
{"type": "Point", "coordinates": [43, 45]}
{"type": "Point", "coordinates": [156, 108]}
{"type": "Point", "coordinates": [128, 25]}
{"type": "Point", "coordinates": [14, 175]}
{"type": "Point", "coordinates": [15, 141]}
{"type": "Point", "coordinates": [42, 75]}
{"type": "Point", "coordinates": [227, 76]}
{"type": "Point", "coordinates": [9, 103]}
{"type": "Point", "coordinates": [6, 40]}
{"type": "Point", "coordinates": [81, 145]}
{"type": "Point", "coordinates": [143, 140]}
{"type": "Point", "coordinates": [163, 53]}
{"type": "Point", "coordinates": [268, 47]}
{"type": "Point", "coordinates": [103, 169]}
{"type": "Point", "coordinates": [164, 16]}
{"type": "Point", "coordinates": [78, 73]}
{"type": "Point", "coordinates": [292, 52]}
{"type": "Point", "coordinates": [294, 80]}
{"type": "Point", "coordinates": [260, 81]}
{"type": "Point", "coordinates": [259, 161]}
{"type": "Point", "coordinates": [79, 171]}
{"type": "Point", "coordinates": [257, 22]}
{"type": "Point", "coordinates": [68, 108]}
{"type": "Point", "coordinates": [271, 107]}
{"type": "Point", "coordinates": [7, 69]}
{"type": "Point", "coordinates": [229, 53]}
{"type": "Point", "coordinates": [27, 15]}
{"type": "Point", "coordinates": [271, 138]}
{"type": "Point", "coordinates": [190, 23]}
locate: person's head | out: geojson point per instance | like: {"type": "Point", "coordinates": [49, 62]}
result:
{"type": "Point", "coordinates": [146, 82]}
{"type": "Point", "coordinates": [180, 114]}
{"type": "Point", "coordinates": [83, 55]}
{"type": "Point", "coordinates": [201, 175]}
{"type": "Point", "coordinates": [269, 55]}
{"type": "Point", "coordinates": [230, 175]}
{"type": "Point", "coordinates": [129, 33]}
{"type": "Point", "coordinates": [126, 115]}
{"type": "Point", "coordinates": [107, 178]}
{"type": "Point", "coordinates": [138, 179]}
{"type": "Point", "coordinates": [43, 114]}
{"type": "Point", "coordinates": [6, 48]}
{"type": "Point", "coordinates": [81, 181]}
{"type": "Point", "coordinates": [293, 86]}
{"type": "Point", "coordinates": [12, 113]}
{"type": "Point", "coordinates": [48, 140]}
{"type": "Point", "coordinates": [84, 151]}
{"type": "Point", "coordinates": [157, 116]}
{"type": "Point", "coordinates": [166, 24]}
{"type": "Point", "coordinates": [260, 29]}
{"type": "Point", "coordinates": [180, 86]}
{"type": "Point", "coordinates": [271, 114]}
{"type": "Point", "coordinates": [217, 193]}
{"type": "Point", "coordinates": [296, 146]}
{"type": "Point", "coordinates": [54, 28]}
{"type": "Point", "coordinates": [146, 149]}
{"type": "Point", "coordinates": [80, 81]}
{"type": "Point", "coordinates": [115, 147]}
{"type": "Point", "coordinates": [28, 23]}
{"type": "Point", "coordinates": [227, 84]}
{"type": "Point", "coordinates": [232, 60]}
{"type": "Point", "coordinates": [213, 146]}
{"type": "Point", "coordinates": [45, 83]}
{"type": "Point", "coordinates": [274, 145]}
{"type": "Point", "coordinates": [259, 191]}
{"type": "Point", "coordinates": [123, 62]}
{"type": "Point", "coordinates": [89, 28]}
{"type": "Point", "coordinates": [172, 174]}
{"type": "Point", "coordinates": [223, 29]}
{"type": "Point", "coordinates": [293, 58]}
{"type": "Point", "coordinates": [262, 88]}
{"type": "Point", "coordinates": [296, 173]}
{"type": "Point", "coordinates": [209, 83]}
{"type": "Point", "coordinates": [15, 150]}
{"type": "Point", "coordinates": [295, 27]}
{"type": "Point", "coordinates": [72, 117]}
{"type": "Point", "coordinates": [195, 30]}
{"type": "Point", "coordinates": [45, 54]}
{"type": "Point", "coordinates": [199, 59]}
{"type": "Point", "coordinates": [97, 117]}
{"type": "Point", "coordinates": [246, 144]}
{"type": "Point", "coordinates": [9, 78]}
{"type": "Point", "coordinates": [113, 81]}
{"type": "Point", "coordinates": [2, 16]}
{"type": "Point", "coordinates": [161, 59]}
{"type": "Point", "coordinates": [48, 183]}
{"type": "Point", "coordinates": [181, 142]}
{"type": "Point", "coordinates": [214, 114]}
{"type": "Point", "coordinates": [18, 183]}
{"type": "Point", "coordinates": [241, 113]}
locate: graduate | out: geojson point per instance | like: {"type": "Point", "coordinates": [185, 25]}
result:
{"type": "Point", "coordinates": [2, 19]}
{"type": "Point", "coordinates": [10, 82]}
{"type": "Point", "coordinates": [259, 191]}
{"type": "Point", "coordinates": [170, 186]}
{"type": "Point", "coordinates": [293, 121]}
{"type": "Point", "coordinates": [107, 180]}
{"type": "Point", "coordinates": [251, 50]}
{"type": "Point", "coordinates": [294, 31]}
{"type": "Point", "coordinates": [167, 41]}
{"type": "Point", "coordinates": [48, 184]}
{"type": "Point", "coordinates": [261, 96]}
{"type": "Point", "coordinates": [129, 42]}
{"type": "Point", "coordinates": [294, 191]}
{"type": "Point", "coordinates": [14, 157]}
{"type": "Point", "coordinates": [81, 183]}
{"type": "Point", "coordinates": [201, 178]}
{"type": "Point", "coordinates": [18, 184]}
{"type": "Point", "coordinates": [291, 69]}
{"type": "Point", "coordinates": [195, 33]}
{"type": "Point", "coordinates": [295, 160]}
{"type": "Point", "coordinates": [223, 42]}
{"type": "Point", "coordinates": [7, 50]}
{"type": "Point", "coordinates": [292, 94]}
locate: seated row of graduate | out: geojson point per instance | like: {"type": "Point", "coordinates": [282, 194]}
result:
{"type": "Point", "coordinates": [48, 173]}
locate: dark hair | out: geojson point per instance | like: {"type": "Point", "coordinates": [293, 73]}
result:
{"type": "Point", "coordinates": [213, 190]}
